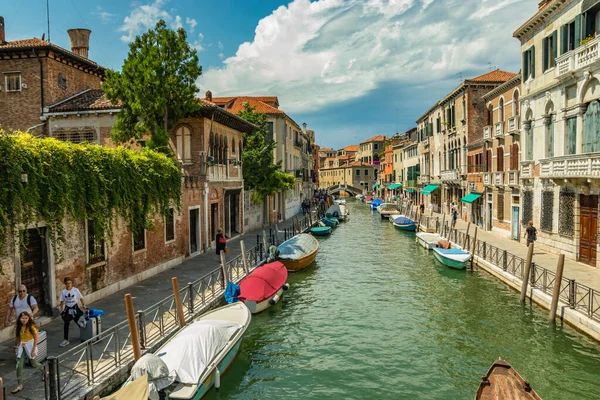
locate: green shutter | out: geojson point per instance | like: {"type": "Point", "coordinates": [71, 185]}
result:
{"type": "Point", "coordinates": [554, 46]}
{"type": "Point", "coordinates": [563, 39]}
{"type": "Point", "coordinates": [545, 55]}
{"type": "Point", "coordinates": [577, 31]}
{"type": "Point", "coordinates": [532, 55]}
{"type": "Point", "coordinates": [525, 66]}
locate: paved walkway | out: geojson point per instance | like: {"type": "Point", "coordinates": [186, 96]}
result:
{"type": "Point", "coordinates": [145, 294]}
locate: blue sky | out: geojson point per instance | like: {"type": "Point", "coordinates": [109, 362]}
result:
{"type": "Point", "coordinates": [350, 69]}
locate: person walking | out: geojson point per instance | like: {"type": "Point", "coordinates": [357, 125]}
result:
{"type": "Point", "coordinates": [26, 340]}
{"type": "Point", "coordinates": [221, 241]}
{"type": "Point", "coordinates": [430, 209]}
{"type": "Point", "coordinates": [454, 217]}
{"type": "Point", "coordinates": [531, 233]}
{"type": "Point", "coordinates": [69, 308]}
{"type": "Point", "coordinates": [422, 208]}
{"type": "Point", "coordinates": [21, 302]}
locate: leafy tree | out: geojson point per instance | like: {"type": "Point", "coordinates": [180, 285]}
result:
{"type": "Point", "coordinates": [260, 172]}
{"type": "Point", "coordinates": [156, 86]}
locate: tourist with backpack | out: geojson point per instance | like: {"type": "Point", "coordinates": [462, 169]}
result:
{"type": "Point", "coordinates": [21, 302]}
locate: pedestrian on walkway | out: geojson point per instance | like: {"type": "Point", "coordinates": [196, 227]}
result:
{"type": "Point", "coordinates": [69, 308]}
{"type": "Point", "coordinates": [430, 209]}
{"type": "Point", "coordinates": [454, 217]}
{"type": "Point", "coordinates": [221, 241]}
{"type": "Point", "coordinates": [21, 302]}
{"type": "Point", "coordinates": [422, 208]}
{"type": "Point", "coordinates": [531, 233]}
{"type": "Point", "coordinates": [26, 340]}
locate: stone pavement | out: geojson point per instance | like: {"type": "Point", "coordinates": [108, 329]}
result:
{"type": "Point", "coordinates": [145, 294]}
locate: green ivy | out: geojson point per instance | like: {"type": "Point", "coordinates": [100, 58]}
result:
{"type": "Point", "coordinates": [83, 181]}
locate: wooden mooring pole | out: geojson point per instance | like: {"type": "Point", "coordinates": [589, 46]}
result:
{"type": "Point", "coordinates": [178, 303]}
{"type": "Point", "coordinates": [473, 247]}
{"type": "Point", "coordinates": [560, 265]}
{"type": "Point", "coordinates": [466, 236]}
{"type": "Point", "coordinates": [526, 272]}
{"type": "Point", "coordinates": [135, 339]}
{"type": "Point", "coordinates": [244, 258]}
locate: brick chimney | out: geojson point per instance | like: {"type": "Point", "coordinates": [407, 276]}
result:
{"type": "Point", "coordinates": [80, 41]}
{"type": "Point", "coordinates": [2, 33]}
{"type": "Point", "coordinates": [208, 95]}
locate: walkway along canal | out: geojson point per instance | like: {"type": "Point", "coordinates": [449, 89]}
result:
{"type": "Point", "coordinates": [377, 317]}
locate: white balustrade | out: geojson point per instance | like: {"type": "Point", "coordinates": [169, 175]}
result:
{"type": "Point", "coordinates": [513, 124]}
{"type": "Point", "coordinates": [572, 166]}
{"type": "Point", "coordinates": [450, 175]}
{"type": "Point", "coordinates": [513, 178]}
{"type": "Point", "coordinates": [487, 178]}
{"type": "Point", "coordinates": [499, 178]}
{"type": "Point", "coordinates": [487, 132]}
{"type": "Point", "coordinates": [499, 128]}
{"type": "Point", "coordinates": [579, 58]}
{"type": "Point", "coordinates": [526, 169]}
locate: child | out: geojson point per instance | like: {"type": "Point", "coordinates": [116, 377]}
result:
{"type": "Point", "coordinates": [70, 311]}
{"type": "Point", "coordinates": [26, 340]}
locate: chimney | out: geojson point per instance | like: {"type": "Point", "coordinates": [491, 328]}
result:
{"type": "Point", "coordinates": [2, 33]}
{"type": "Point", "coordinates": [80, 41]}
{"type": "Point", "coordinates": [208, 95]}
{"type": "Point", "coordinates": [304, 127]}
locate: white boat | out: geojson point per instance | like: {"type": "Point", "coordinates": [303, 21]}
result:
{"type": "Point", "coordinates": [387, 209]}
{"type": "Point", "coordinates": [339, 201]}
{"type": "Point", "coordinates": [344, 213]}
{"type": "Point", "coordinates": [428, 240]}
{"type": "Point", "coordinates": [196, 356]}
{"type": "Point", "coordinates": [392, 217]}
{"type": "Point", "coordinates": [453, 258]}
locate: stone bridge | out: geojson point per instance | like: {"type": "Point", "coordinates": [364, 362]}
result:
{"type": "Point", "coordinates": [344, 188]}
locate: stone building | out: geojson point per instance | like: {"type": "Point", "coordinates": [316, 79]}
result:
{"type": "Point", "coordinates": [35, 73]}
{"type": "Point", "coordinates": [560, 134]}
{"type": "Point", "coordinates": [368, 151]}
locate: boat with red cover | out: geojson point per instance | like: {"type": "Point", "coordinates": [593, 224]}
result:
{"type": "Point", "coordinates": [264, 286]}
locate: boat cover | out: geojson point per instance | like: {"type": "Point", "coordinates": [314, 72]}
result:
{"type": "Point", "coordinates": [136, 390]}
{"type": "Point", "coordinates": [368, 198]}
{"type": "Point", "coordinates": [157, 373]}
{"type": "Point", "coordinates": [452, 251]}
{"type": "Point", "coordinates": [334, 210]}
{"type": "Point", "coordinates": [403, 221]}
{"type": "Point", "coordinates": [190, 352]}
{"type": "Point", "coordinates": [263, 282]}
{"type": "Point", "coordinates": [376, 203]}
{"type": "Point", "coordinates": [298, 247]}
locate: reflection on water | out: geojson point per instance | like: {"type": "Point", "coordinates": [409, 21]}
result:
{"type": "Point", "coordinates": [378, 317]}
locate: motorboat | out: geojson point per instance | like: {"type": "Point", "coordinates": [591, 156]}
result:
{"type": "Point", "coordinates": [502, 381]}
{"type": "Point", "coordinates": [330, 221]}
{"type": "Point", "coordinates": [405, 224]}
{"type": "Point", "coordinates": [298, 252]}
{"type": "Point", "coordinates": [193, 360]}
{"type": "Point", "coordinates": [387, 209]}
{"type": "Point", "coordinates": [344, 214]}
{"type": "Point", "coordinates": [334, 211]}
{"type": "Point", "coordinates": [376, 203]}
{"type": "Point", "coordinates": [428, 240]}
{"type": "Point", "coordinates": [452, 257]}
{"type": "Point", "coordinates": [321, 230]}
{"type": "Point", "coordinates": [264, 286]}
{"type": "Point", "coordinates": [340, 201]}
{"type": "Point", "coordinates": [368, 199]}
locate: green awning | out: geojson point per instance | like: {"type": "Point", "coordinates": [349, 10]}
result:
{"type": "Point", "coordinates": [429, 188]}
{"type": "Point", "coordinates": [394, 186]}
{"type": "Point", "coordinates": [410, 190]}
{"type": "Point", "coordinates": [470, 198]}
{"type": "Point", "coordinates": [375, 185]}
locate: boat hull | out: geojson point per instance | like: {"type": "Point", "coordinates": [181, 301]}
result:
{"type": "Point", "coordinates": [256, 308]}
{"type": "Point", "coordinates": [332, 222]}
{"type": "Point", "coordinates": [449, 262]}
{"type": "Point", "coordinates": [406, 227]}
{"type": "Point", "coordinates": [502, 381]}
{"type": "Point", "coordinates": [427, 240]}
{"type": "Point", "coordinates": [321, 232]}
{"type": "Point", "coordinates": [301, 263]}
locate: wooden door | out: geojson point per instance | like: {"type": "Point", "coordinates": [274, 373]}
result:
{"type": "Point", "coordinates": [588, 229]}
{"type": "Point", "coordinates": [34, 265]}
{"type": "Point", "coordinates": [194, 230]}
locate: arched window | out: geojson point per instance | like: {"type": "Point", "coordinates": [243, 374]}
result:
{"type": "Point", "coordinates": [240, 149]}
{"type": "Point", "coordinates": [514, 157]}
{"type": "Point", "coordinates": [232, 146]}
{"type": "Point", "coordinates": [501, 110]}
{"type": "Point", "coordinates": [183, 143]}
{"type": "Point", "coordinates": [488, 160]}
{"type": "Point", "coordinates": [591, 128]}
{"type": "Point", "coordinates": [549, 127]}
{"type": "Point", "coordinates": [515, 104]}
{"type": "Point", "coordinates": [500, 159]}
{"type": "Point", "coordinates": [490, 115]}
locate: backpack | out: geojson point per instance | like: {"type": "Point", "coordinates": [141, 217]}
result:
{"type": "Point", "coordinates": [28, 300]}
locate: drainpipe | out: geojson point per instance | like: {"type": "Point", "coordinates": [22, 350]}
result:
{"type": "Point", "coordinates": [205, 199]}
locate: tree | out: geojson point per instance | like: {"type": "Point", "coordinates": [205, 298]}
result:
{"type": "Point", "coordinates": [260, 172]}
{"type": "Point", "coordinates": [156, 86]}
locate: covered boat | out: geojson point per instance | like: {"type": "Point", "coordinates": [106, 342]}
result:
{"type": "Point", "coordinates": [321, 230]}
{"type": "Point", "coordinates": [368, 199]}
{"type": "Point", "coordinates": [334, 211]}
{"type": "Point", "coordinates": [197, 355]}
{"type": "Point", "coordinates": [503, 382]}
{"type": "Point", "coordinates": [340, 201]}
{"type": "Point", "coordinates": [376, 203]}
{"type": "Point", "coordinates": [453, 258]}
{"type": "Point", "coordinates": [387, 209]}
{"type": "Point", "coordinates": [330, 221]}
{"type": "Point", "coordinates": [428, 240]}
{"type": "Point", "coordinates": [298, 252]}
{"type": "Point", "coordinates": [264, 286]}
{"type": "Point", "coordinates": [344, 213]}
{"type": "Point", "coordinates": [405, 224]}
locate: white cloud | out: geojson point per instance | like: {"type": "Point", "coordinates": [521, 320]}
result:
{"type": "Point", "coordinates": [177, 23]}
{"type": "Point", "coordinates": [221, 56]}
{"type": "Point", "coordinates": [317, 53]}
{"type": "Point", "coordinates": [191, 23]}
{"type": "Point", "coordinates": [220, 45]}
{"type": "Point", "coordinates": [105, 16]}
{"type": "Point", "coordinates": [142, 18]}
{"type": "Point", "coordinates": [200, 36]}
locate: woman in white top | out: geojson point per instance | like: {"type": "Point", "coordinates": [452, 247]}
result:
{"type": "Point", "coordinates": [69, 310]}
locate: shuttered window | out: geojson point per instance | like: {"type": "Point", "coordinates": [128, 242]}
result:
{"type": "Point", "coordinates": [549, 50]}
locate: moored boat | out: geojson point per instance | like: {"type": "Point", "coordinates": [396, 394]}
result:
{"type": "Point", "coordinates": [344, 214]}
{"type": "Point", "coordinates": [339, 201]}
{"type": "Point", "coordinates": [453, 258]}
{"type": "Point", "coordinates": [264, 286]}
{"type": "Point", "coordinates": [321, 230]}
{"type": "Point", "coordinates": [195, 357]}
{"type": "Point", "coordinates": [502, 381]}
{"type": "Point", "coordinates": [368, 199]}
{"type": "Point", "coordinates": [428, 240]}
{"type": "Point", "coordinates": [405, 224]}
{"type": "Point", "coordinates": [376, 203]}
{"type": "Point", "coordinates": [298, 252]}
{"type": "Point", "coordinates": [334, 211]}
{"type": "Point", "coordinates": [330, 221]}
{"type": "Point", "coordinates": [388, 209]}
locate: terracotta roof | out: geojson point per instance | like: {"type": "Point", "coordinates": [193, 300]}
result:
{"type": "Point", "coordinates": [236, 104]}
{"type": "Point", "coordinates": [326, 149]}
{"type": "Point", "coordinates": [352, 147]}
{"type": "Point", "coordinates": [88, 100]}
{"type": "Point", "coordinates": [494, 76]}
{"type": "Point", "coordinates": [360, 164]}
{"type": "Point", "coordinates": [378, 138]}
{"type": "Point", "coordinates": [35, 43]}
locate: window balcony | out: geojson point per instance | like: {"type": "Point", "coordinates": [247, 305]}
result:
{"type": "Point", "coordinates": [526, 170]}
{"type": "Point", "coordinates": [572, 166]}
{"type": "Point", "coordinates": [499, 129]}
{"type": "Point", "coordinates": [577, 59]}
{"type": "Point", "coordinates": [487, 178]}
{"type": "Point", "coordinates": [487, 132]}
{"type": "Point", "coordinates": [450, 175]}
{"type": "Point", "coordinates": [499, 178]}
{"type": "Point", "coordinates": [513, 125]}
{"type": "Point", "coordinates": [513, 178]}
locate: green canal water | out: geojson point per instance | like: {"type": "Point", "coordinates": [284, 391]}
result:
{"type": "Point", "coordinates": [378, 318]}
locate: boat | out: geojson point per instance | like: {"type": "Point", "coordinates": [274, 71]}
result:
{"type": "Point", "coordinates": [339, 201]}
{"type": "Point", "coordinates": [334, 211]}
{"type": "Point", "coordinates": [135, 390]}
{"type": "Point", "coordinates": [193, 360]}
{"type": "Point", "coordinates": [298, 252]}
{"type": "Point", "coordinates": [368, 199]}
{"type": "Point", "coordinates": [387, 209]}
{"type": "Point", "coordinates": [428, 240]}
{"type": "Point", "coordinates": [405, 224]}
{"type": "Point", "coordinates": [320, 230]}
{"type": "Point", "coordinates": [330, 221]}
{"type": "Point", "coordinates": [453, 257]}
{"type": "Point", "coordinates": [502, 381]}
{"type": "Point", "coordinates": [376, 203]}
{"type": "Point", "coordinates": [344, 214]}
{"type": "Point", "coordinates": [264, 286]}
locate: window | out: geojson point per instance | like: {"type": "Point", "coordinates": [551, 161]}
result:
{"type": "Point", "coordinates": [500, 206]}
{"type": "Point", "coordinates": [571, 136]}
{"type": "Point", "coordinates": [376, 146]}
{"type": "Point", "coordinates": [549, 122]}
{"type": "Point", "coordinates": [514, 157]}
{"type": "Point", "coordinates": [170, 225]}
{"type": "Point", "coordinates": [501, 110]}
{"type": "Point", "coordinates": [366, 172]}
{"type": "Point", "coordinates": [184, 151]}
{"type": "Point", "coordinates": [464, 109]}
{"type": "Point", "coordinates": [269, 136]}
{"type": "Point", "coordinates": [75, 136]}
{"type": "Point", "coordinates": [569, 36]}
{"type": "Point", "coordinates": [357, 172]}
{"type": "Point", "coordinates": [529, 63]}
{"type": "Point", "coordinates": [95, 242]}
{"type": "Point", "coordinates": [12, 81]}
{"type": "Point", "coordinates": [62, 81]}
{"type": "Point", "coordinates": [500, 159]}
{"type": "Point", "coordinates": [139, 240]}
{"type": "Point", "coordinates": [549, 51]}
{"type": "Point", "coordinates": [232, 146]}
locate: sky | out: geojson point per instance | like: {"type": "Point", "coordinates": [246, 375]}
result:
{"type": "Point", "coordinates": [350, 69]}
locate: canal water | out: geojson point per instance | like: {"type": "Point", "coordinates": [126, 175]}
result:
{"type": "Point", "coordinates": [378, 318]}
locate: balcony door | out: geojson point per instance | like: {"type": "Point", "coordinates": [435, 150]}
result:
{"type": "Point", "coordinates": [588, 221]}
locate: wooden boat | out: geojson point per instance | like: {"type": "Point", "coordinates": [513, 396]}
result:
{"type": "Point", "coordinates": [503, 382]}
{"type": "Point", "coordinates": [453, 258]}
{"type": "Point", "coordinates": [195, 357]}
{"type": "Point", "coordinates": [264, 287]}
{"type": "Point", "coordinates": [428, 240]}
{"type": "Point", "coordinates": [405, 224]}
{"type": "Point", "coordinates": [388, 209]}
{"type": "Point", "coordinates": [321, 230]}
{"type": "Point", "coordinates": [332, 222]}
{"type": "Point", "coordinates": [298, 252]}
